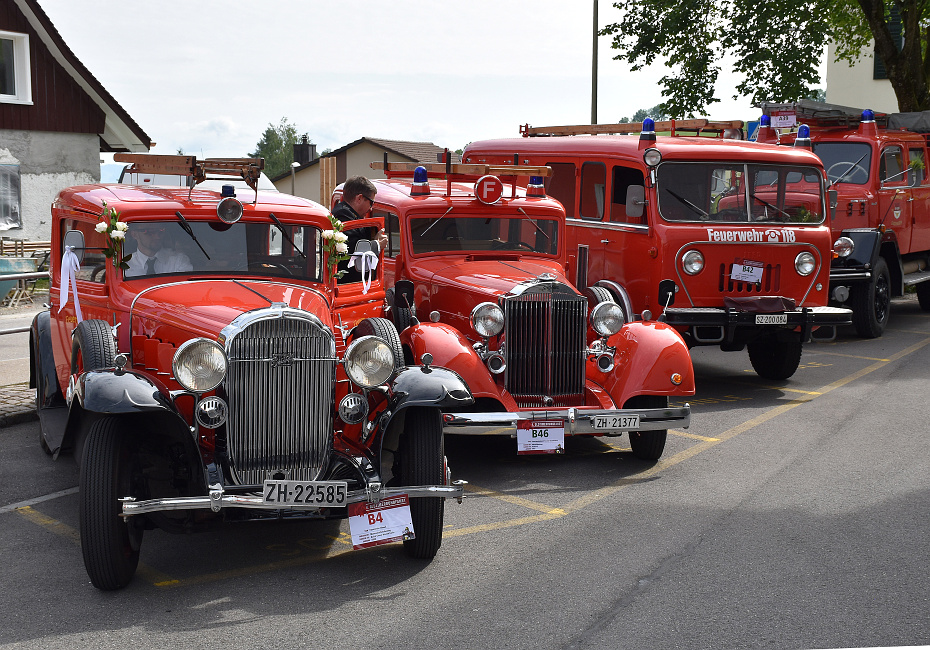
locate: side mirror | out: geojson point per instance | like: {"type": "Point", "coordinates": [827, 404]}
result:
{"type": "Point", "coordinates": [367, 246]}
{"type": "Point", "coordinates": [833, 200]}
{"type": "Point", "coordinates": [75, 239]}
{"type": "Point", "coordinates": [667, 289]}
{"type": "Point", "coordinates": [635, 201]}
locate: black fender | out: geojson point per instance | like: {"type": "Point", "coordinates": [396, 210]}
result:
{"type": "Point", "coordinates": [122, 393]}
{"type": "Point", "coordinates": [868, 245]}
{"type": "Point", "coordinates": [42, 374]}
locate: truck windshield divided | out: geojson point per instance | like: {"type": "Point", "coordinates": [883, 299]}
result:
{"type": "Point", "coordinates": [239, 248]}
{"type": "Point", "coordinates": [846, 162]}
{"type": "Point", "coordinates": [739, 193]}
{"type": "Point", "coordinates": [481, 232]}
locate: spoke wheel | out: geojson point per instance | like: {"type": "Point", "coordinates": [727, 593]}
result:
{"type": "Point", "coordinates": [422, 462]}
{"type": "Point", "coordinates": [109, 544]}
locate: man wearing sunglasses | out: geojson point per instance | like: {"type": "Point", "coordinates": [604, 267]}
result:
{"type": "Point", "coordinates": [153, 254]}
{"type": "Point", "coordinates": [358, 198]}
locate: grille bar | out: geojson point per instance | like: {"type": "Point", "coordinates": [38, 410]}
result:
{"type": "Point", "coordinates": [545, 347]}
{"type": "Point", "coordinates": [280, 388]}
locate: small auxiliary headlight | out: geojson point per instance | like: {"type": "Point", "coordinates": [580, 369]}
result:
{"type": "Point", "coordinates": [805, 263]}
{"type": "Point", "coordinates": [199, 365]}
{"type": "Point", "coordinates": [692, 262]}
{"type": "Point", "coordinates": [369, 361]}
{"type": "Point", "coordinates": [487, 319]}
{"type": "Point", "coordinates": [229, 210]}
{"type": "Point", "coordinates": [211, 412]}
{"type": "Point", "coordinates": [844, 246]}
{"type": "Point", "coordinates": [606, 318]}
{"type": "Point", "coordinates": [652, 157]}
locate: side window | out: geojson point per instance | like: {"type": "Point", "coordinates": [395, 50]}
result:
{"type": "Point", "coordinates": [891, 168]}
{"type": "Point", "coordinates": [561, 185]}
{"type": "Point", "coordinates": [623, 178]}
{"type": "Point", "coordinates": [593, 188]}
{"type": "Point", "coordinates": [94, 265]}
{"type": "Point", "coordinates": [392, 228]}
{"type": "Point", "coordinates": [10, 197]}
{"type": "Point", "coordinates": [916, 166]}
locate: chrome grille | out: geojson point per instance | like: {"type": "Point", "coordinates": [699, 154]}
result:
{"type": "Point", "coordinates": [280, 388]}
{"type": "Point", "coordinates": [771, 281]}
{"type": "Point", "coordinates": [545, 346]}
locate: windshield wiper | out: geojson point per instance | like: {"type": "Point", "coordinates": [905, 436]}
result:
{"type": "Point", "coordinates": [286, 236]}
{"type": "Point", "coordinates": [536, 225]}
{"type": "Point", "coordinates": [688, 203]}
{"type": "Point", "coordinates": [437, 221]}
{"type": "Point", "coordinates": [839, 179]}
{"type": "Point", "coordinates": [187, 228]}
{"type": "Point", "coordinates": [766, 203]}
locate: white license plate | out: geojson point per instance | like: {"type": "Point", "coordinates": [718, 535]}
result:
{"type": "Point", "coordinates": [310, 493]}
{"type": "Point", "coordinates": [771, 319]}
{"type": "Point", "coordinates": [616, 422]}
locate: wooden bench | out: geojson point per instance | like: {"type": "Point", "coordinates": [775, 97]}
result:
{"type": "Point", "coordinates": [23, 247]}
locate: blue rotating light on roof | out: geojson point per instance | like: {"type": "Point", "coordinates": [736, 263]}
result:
{"type": "Point", "coordinates": [649, 124]}
{"type": "Point", "coordinates": [868, 115]}
{"type": "Point", "coordinates": [649, 130]}
{"type": "Point", "coordinates": [765, 120]}
{"type": "Point", "coordinates": [535, 188]}
{"type": "Point", "coordinates": [804, 131]}
{"type": "Point", "coordinates": [420, 185]}
{"type": "Point", "coordinates": [803, 138]}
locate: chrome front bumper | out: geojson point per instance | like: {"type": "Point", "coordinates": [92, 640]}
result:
{"type": "Point", "coordinates": [218, 499]}
{"type": "Point", "coordinates": [577, 421]}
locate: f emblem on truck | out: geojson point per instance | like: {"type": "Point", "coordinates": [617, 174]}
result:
{"type": "Point", "coordinates": [489, 189]}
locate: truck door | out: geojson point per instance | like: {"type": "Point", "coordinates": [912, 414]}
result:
{"type": "Point", "coordinates": [894, 195]}
{"type": "Point", "coordinates": [592, 238]}
{"type": "Point", "coordinates": [920, 198]}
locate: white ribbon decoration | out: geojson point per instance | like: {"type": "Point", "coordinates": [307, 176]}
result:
{"type": "Point", "coordinates": [69, 268]}
{"type": "Point", "coordinates": [365, 262]}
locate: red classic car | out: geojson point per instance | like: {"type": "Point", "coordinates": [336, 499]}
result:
{"type": "Point", "coordinates": [197, 363]}
{"type": "Point", "coordinates": [475, 277]}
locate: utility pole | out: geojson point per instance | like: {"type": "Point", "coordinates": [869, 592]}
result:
{"type": "Point", "coordinates": [594, 70]}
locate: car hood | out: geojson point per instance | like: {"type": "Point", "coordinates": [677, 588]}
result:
{"type": "Point", "coordinates": [204, 308]}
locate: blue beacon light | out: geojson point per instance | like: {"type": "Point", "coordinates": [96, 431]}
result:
{"type": "Point", "coordinates": [649, 131]}
{"type": "Point", "coordinates": [536, 189]}
{"type": "Point", "coordinates": [420, 186]}
{"type": "Point", "coordinates": [765, 120]}
{"type": "Point", "coordinates": [868, 115]}
{"type": "Point", "coordinates": [804, 131]}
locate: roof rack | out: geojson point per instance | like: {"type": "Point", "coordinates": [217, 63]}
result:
{"type": "Point", "coordinates": [441, 170]}
{"type": "Point", "coordinates": [696, 126]}
{"type": "Point", "coordinates": [247, 169]}
{"type": "Point", "coordinates": [821, 114]}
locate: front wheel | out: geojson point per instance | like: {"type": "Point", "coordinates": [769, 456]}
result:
{"type": "Point", "coordinates": [110, 545]}
{"type": "Point", "coordinates": [923, 295]}
{"type": "Point", "coordinates": [773, 358]}
{"type": "Point", "coordinates": [648, 445]}
{"type": "Point", "coordinates": [422, 462]}
{"type": "Point", "coordinates": [871, 303]}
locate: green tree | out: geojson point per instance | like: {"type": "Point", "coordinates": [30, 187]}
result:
{"type": "Point", "coordinates": [776, 47]}
{"type": "Point", "coordinates": [656, 112]}
{"type": "Point", "coordinates": [277, 147]}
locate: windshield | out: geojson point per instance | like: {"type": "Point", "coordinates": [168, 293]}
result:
{"type": "Point", "coordinates": [481, 232]}
{"type": "Point", "coordinates": [739, 193]}
{"type": "Point", "coordinates": [846, 162]}
{"type": "Point", "coordinates": [164, 247]}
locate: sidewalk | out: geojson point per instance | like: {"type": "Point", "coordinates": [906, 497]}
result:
{"type": "Point", "coordinates": [17, 400]}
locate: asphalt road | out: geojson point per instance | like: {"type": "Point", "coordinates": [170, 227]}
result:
{"type": "Point", "coordinates": [790, 515]}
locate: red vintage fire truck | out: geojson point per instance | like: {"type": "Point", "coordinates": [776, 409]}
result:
{"type": "Point", "coordinates": [877, 165]}
{"type": "Point", "coordinates": [726, 239]}
{"type": "Point", "coordinates": [474, 271]}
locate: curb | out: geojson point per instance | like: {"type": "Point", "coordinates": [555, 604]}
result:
{"type": "Point", "coordinates": [17, 404]}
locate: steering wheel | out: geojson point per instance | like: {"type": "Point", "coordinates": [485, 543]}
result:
{"type": "Point", "coordinates": [498, 244]}
{"type": "Point", "coordinates": [273, 264]}
{"type": "Point", "coordinates": [848, 172]}
{"type": "Point", "coordinates": [98, 269]}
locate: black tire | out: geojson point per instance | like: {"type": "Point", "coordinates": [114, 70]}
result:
{"type": "Point", "coordinates": [871, 303]}
{"type": "Point", "coordinates": [773, 358]}
{"type": "Point", "coordinates": [383, 328]}
{"type": "Point", "coordinates": [648, 445]}
{"type": "Point", "coordinates": [597, 295]}
{"type": "Point", "coordinates": [422, 462]}
{"type": "Point", "coordinates": [92, 346]}
{"type": "Point", "coordinates": [110, 545]}
{"type": "Point", "coordinates": [401, 315]}
{"type": "Point", "coordinates": [37, 380]}
{"type": "Point", "coordinates": [923, 295]}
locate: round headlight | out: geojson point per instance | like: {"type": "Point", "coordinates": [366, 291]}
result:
{"type": "Point", "coordinates": [606, 318]}
{"type": "Point", "coordinates": [652, 157]}
{"type": "Point", "coordinates": [369, 361]}
{"type": "Point", "coordinates": [229, 210]}
{"type": "Point", "coordinates": [805, 263]}
{"type": "Point", "coordinates": [487, 319]}
{"type": "Point", "coordinates": [692, 262]}
{"type": "Point", "coordinates": [844, 246]}
{"type": "Point", "coordinates": [199, 365]}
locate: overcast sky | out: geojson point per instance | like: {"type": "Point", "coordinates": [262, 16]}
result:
{"type": "Point", "coordinates": [208, 77]}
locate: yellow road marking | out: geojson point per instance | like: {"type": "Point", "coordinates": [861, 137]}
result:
{"type": "Point", "coordinates": [519, 501]}
{"type": "Point", "coordinates": [693, 436]}
{"type": "Point", "coordinates": [852, 356]}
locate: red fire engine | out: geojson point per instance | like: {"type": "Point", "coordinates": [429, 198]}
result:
{"type": "Point", "coordinates": [727, 239]}
{"type": "Point", "coordinates": [877, 165]}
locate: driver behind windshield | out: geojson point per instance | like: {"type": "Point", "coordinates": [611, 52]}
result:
{"type": "Point", "coordinates": [154, 253]}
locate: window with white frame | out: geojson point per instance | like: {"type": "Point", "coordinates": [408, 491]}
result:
{"type": "Point", "coordinates": [10, 197]}
{"type": "Point", "coordinates": [15, 77]}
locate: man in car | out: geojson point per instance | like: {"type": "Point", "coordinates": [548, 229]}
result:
{"type": "Point", "coordinates": [153, 254]}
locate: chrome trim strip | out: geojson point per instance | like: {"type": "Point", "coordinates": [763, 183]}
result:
{"type": "Point", "coordinates": [578, 421]}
